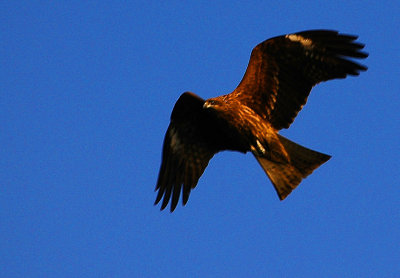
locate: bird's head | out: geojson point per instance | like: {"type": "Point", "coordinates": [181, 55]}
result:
{"type": "Point", "coordinates": [212, 103]}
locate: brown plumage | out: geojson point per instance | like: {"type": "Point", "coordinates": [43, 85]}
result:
{"type": "Point", "coordinates": [277, 82]}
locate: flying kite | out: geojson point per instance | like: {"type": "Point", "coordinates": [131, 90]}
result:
{"type": "Point", "coordinates": [279, 77]}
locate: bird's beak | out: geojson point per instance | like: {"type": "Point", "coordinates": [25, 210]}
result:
{"type": "Point", "coordinates": [206, 105]}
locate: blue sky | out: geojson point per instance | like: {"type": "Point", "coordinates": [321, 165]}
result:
{"type": "Point", "coordinates": [87, 89]}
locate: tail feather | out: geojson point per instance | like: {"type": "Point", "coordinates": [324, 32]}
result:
{"type": "Point", "coordinates": [286, 176]}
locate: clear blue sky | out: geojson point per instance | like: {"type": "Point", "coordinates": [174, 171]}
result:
{"type": "Point", "coordinates": [86, 91]}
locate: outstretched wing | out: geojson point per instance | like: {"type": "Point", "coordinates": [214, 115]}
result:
{"type": "Point", "coordinates": [187, 149]}
{"type": "Point", "coordinates": [283, 70]}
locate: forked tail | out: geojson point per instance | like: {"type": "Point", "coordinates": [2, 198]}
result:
{"type": "Point", "coordinates": [286, 176]}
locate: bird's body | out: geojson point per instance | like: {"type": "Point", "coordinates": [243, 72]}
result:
{"type": "Point", "coordinates": [277, 82]}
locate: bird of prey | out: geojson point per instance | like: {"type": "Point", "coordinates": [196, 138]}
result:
{"type": "Point", "coordinates": [279, 77]}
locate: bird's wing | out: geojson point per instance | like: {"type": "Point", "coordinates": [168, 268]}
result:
{"type": "Point", "coordinates": [283, 70]}
{"type": "Point", "coordinates": [186, 152]}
